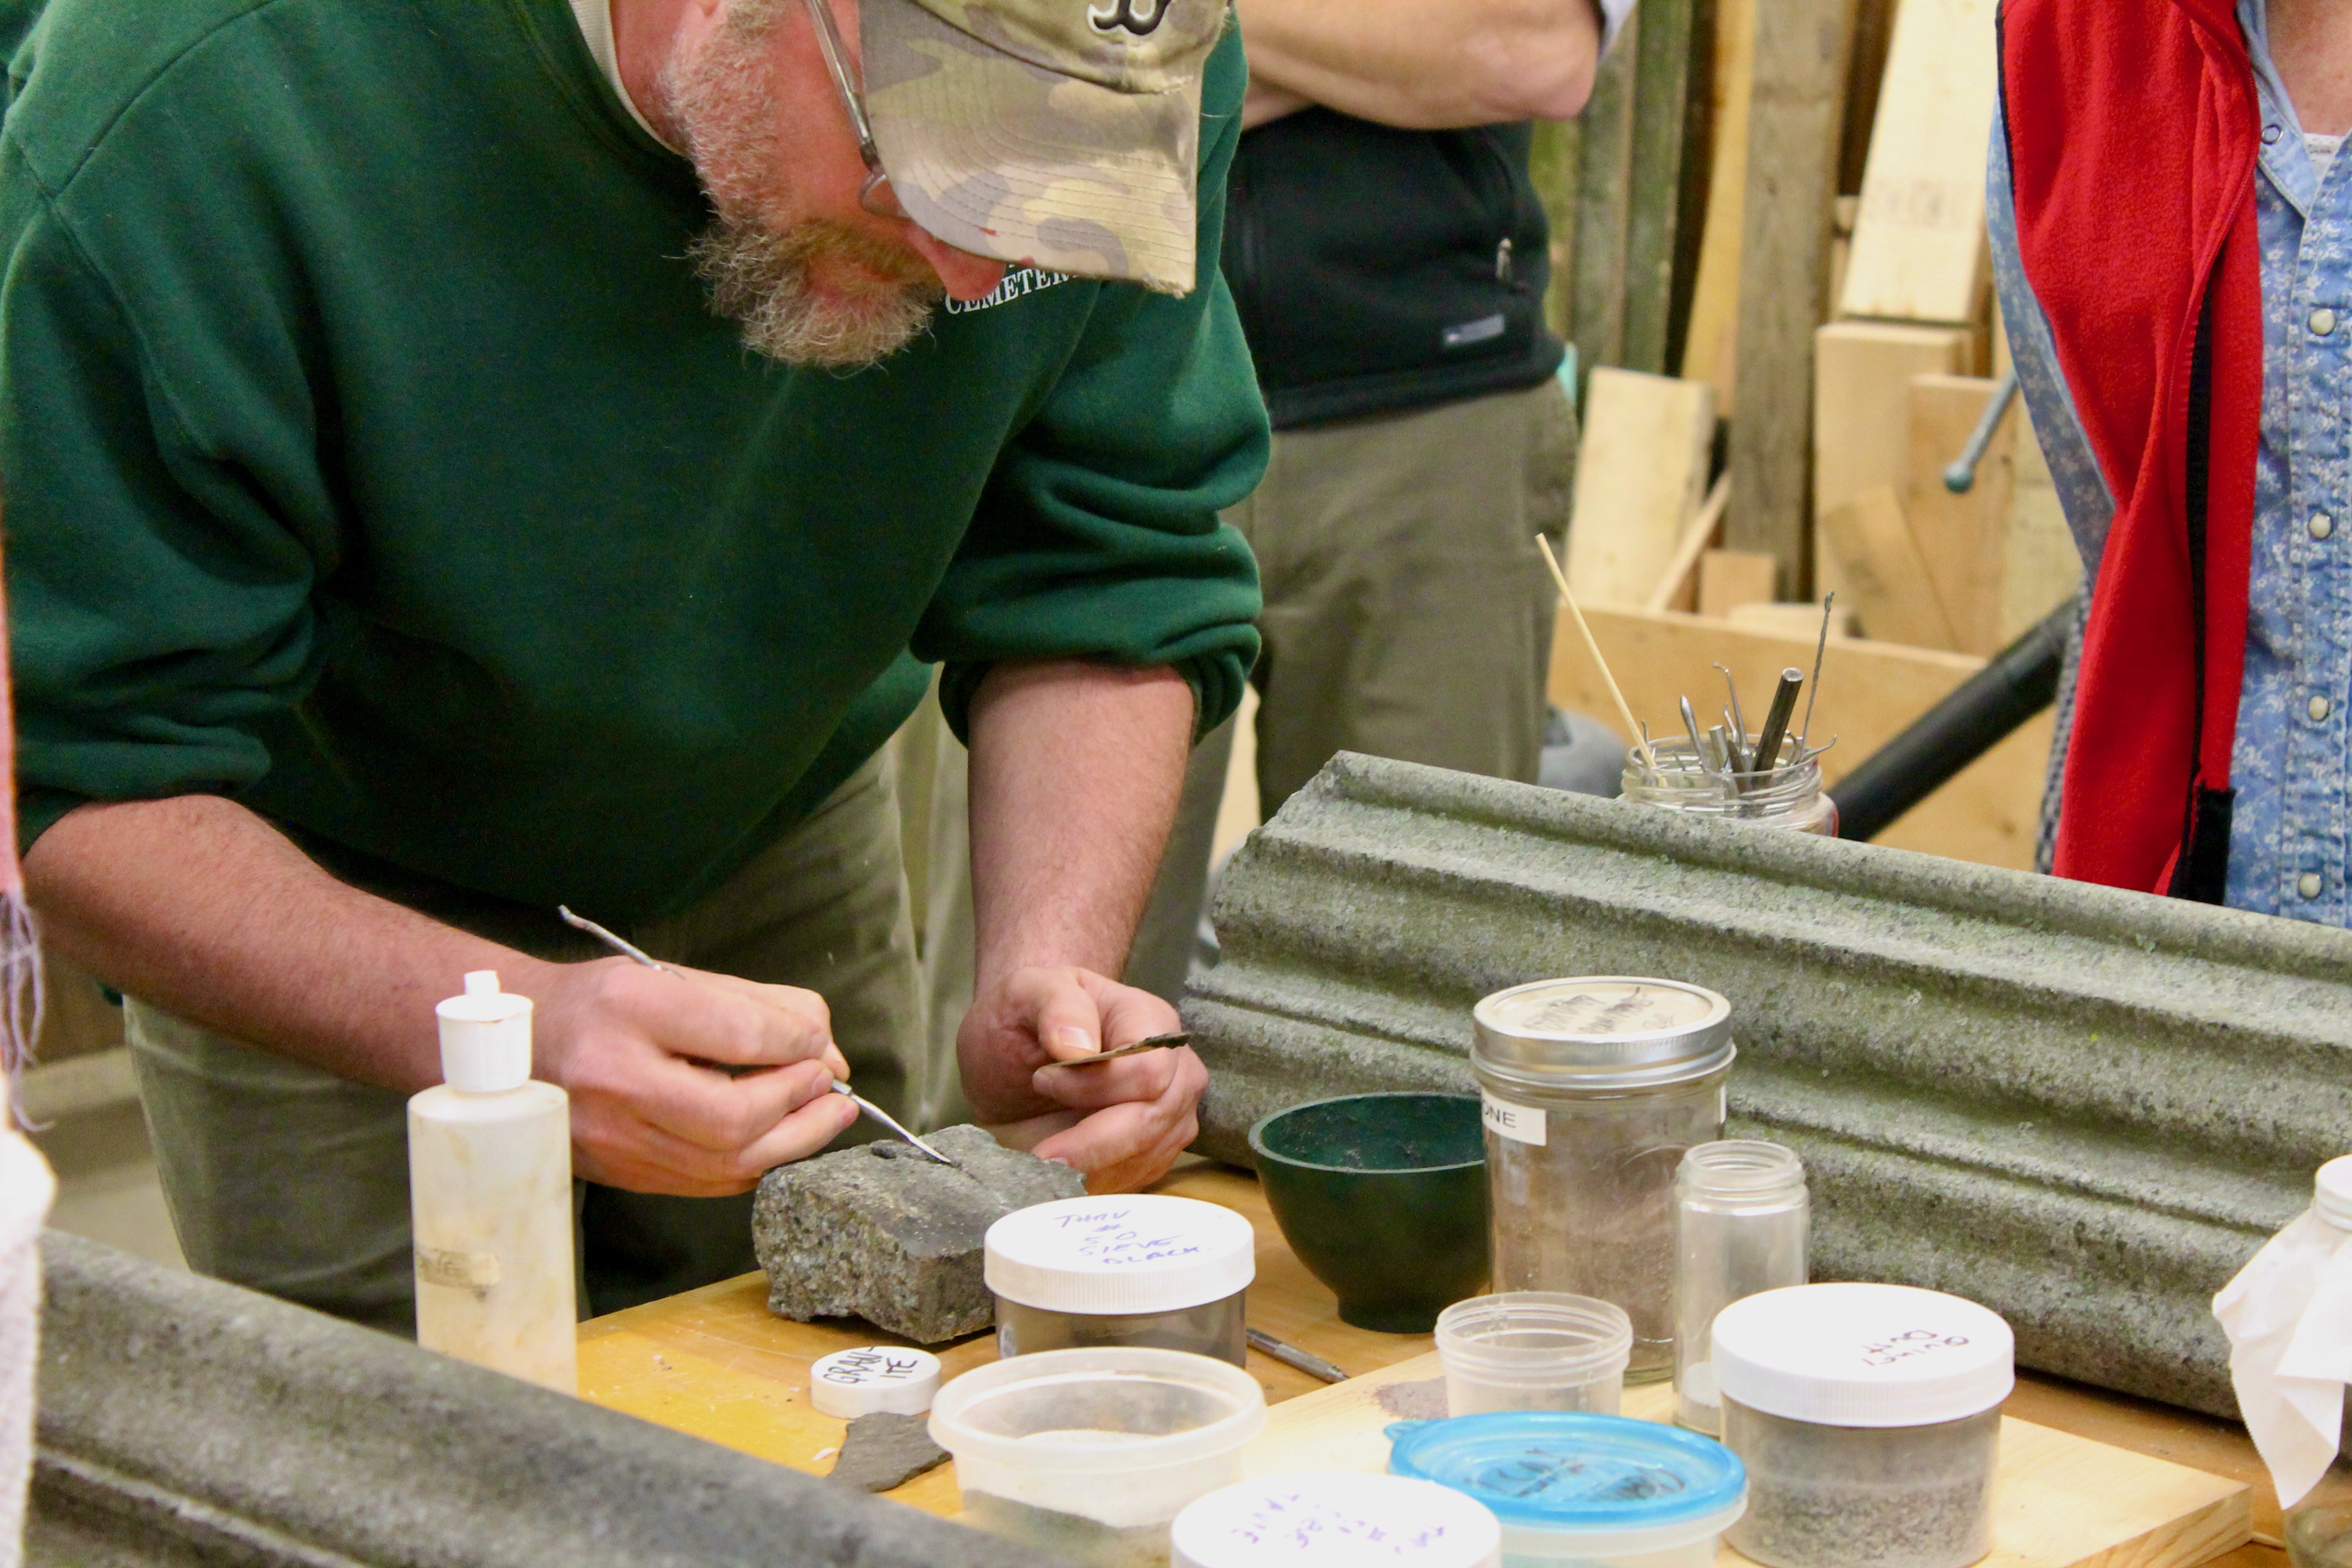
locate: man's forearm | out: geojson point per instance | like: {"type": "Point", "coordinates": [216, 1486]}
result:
{"type": "Point", "coordinates": [1075, 769]}
{"type": "Point", "coordinates": [1424, 65]}
{"type": "Point", "coordinates": [197, 905]}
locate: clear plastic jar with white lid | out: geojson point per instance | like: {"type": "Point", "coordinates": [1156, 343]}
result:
{"type": "Point", "coordinates": [1593, 1088]}
{"type": "Point", "coordinates": [1143, 1270]}
{"type": "Point", "coordinates": [1336, 1519]}
{"type": "Point", "coordinates": [1869, 1419]}
{"type": "Point", "coordinates": [1742, 1223]}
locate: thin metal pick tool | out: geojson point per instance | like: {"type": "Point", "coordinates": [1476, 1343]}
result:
{"type": "Point", "coordinates": [1154, 1043]}
{"type": "Point", "coordinates": [1806, 731]}
{"type": "Point", "coordinates": [1308, 1361]}
{"type": "Point", "coordinates": [628, 949]}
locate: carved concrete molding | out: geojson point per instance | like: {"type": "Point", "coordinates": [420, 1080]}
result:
{"type": "Point", "coordinates": [184, 1421]}
{"type": "Point", "coordinates": [2082, 1107]}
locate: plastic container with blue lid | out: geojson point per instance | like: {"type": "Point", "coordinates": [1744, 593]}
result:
{"type": "Point", "coordinates": [1598, 1491]}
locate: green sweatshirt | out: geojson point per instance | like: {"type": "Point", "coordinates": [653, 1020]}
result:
{"type": "Point", "coordinates": [371, 457]}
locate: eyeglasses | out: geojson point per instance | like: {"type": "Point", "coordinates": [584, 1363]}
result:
{"type": "Point", "coordinates": [875, 194]}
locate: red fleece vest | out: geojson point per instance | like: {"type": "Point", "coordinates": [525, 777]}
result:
{"type": "Point", "coordinates": [2132, 137]}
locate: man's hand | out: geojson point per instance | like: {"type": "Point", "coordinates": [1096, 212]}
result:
{"type": "Point", "coordinates": [1121, 1124]}
{"type": "Point", "coordinates": [1075, 772]}
{"type": "Point", "coordinates": [690, 1086]}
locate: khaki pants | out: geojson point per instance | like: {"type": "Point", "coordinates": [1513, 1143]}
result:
{"type": "Point", "coordinates": [287, 1179]}
{"type": "Point", "coordinates": [1407, 612]}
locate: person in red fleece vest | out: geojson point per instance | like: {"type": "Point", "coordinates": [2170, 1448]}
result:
{"type": "Point", "coordinates": [2170, 230]}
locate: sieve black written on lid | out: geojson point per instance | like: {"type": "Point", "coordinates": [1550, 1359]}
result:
{"type": "Point", "coordinates": [1605, 1031]}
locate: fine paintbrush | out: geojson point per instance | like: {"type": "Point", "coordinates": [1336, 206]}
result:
{"type": "Point", "coordinates": [628, 949]}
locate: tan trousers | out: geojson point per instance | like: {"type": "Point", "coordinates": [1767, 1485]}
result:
{"type": "Point", "coordinates": [285, 1178]}
{"type": "Point", "coordinates": [1407, 612]}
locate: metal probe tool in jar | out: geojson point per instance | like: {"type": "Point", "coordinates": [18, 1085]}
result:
{"type": "Point", "coordinates": [628, 949]}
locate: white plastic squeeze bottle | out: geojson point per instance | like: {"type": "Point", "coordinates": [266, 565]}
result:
{"type": "Point", "coordinates": [489, 1196]}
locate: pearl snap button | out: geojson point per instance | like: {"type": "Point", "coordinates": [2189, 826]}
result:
{"type": "Point", "coordinates": [2318, 708]}
{"type": "Point", "coordinates": [2308, 884]}
{"type": "Point", "coordinates": [2323, 321]}
{"type": "Point", "coordinates": [2322, 525]}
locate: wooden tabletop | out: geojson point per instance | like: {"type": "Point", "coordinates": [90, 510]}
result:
{"type": "Point", "coordinates": [717, 1364]}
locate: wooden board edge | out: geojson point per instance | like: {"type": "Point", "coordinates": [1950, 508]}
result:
{"type": "Point", "coordinates": [2222, 1525]}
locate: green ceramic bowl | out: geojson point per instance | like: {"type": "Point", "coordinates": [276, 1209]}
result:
{"type": "Point", "coordinates": [1383, 1197]}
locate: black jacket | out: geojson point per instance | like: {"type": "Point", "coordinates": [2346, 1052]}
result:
{"type": "Point", "coordinates": [1380, 269]}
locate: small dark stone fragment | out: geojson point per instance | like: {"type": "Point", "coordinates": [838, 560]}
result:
{"type": "Point", "coordinates": [885, 1450]}
{"type": "Point", "coordinates": [880, 1233]}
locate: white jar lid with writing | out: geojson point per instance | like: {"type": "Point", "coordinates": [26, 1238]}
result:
{"type": "Point", "coordinates": [1137, 1253]}
{"type": "Point", "coordinates": [1316, 1520]}
{"type": "Point", "coordinates": [1862, 1355]}
{"type": "Point", "coordinates": [898, 1379]}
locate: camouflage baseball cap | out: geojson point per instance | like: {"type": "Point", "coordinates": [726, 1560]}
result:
{"type": "Point", "coordinates": [1056, 133]}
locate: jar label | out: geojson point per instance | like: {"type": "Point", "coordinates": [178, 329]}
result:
{"type": "Point", "coordinates": [458, 1269]}
{"type": "Point", "coordinates": [1524, 1122]}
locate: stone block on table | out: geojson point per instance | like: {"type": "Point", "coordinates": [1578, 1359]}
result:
{"type": "Point", "coordinates": [879, 1232]}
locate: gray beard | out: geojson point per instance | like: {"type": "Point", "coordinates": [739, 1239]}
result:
{"type": "Point", "coordinates": [758, 267]}
{"type": "Point", "coordinates": [759, 279]}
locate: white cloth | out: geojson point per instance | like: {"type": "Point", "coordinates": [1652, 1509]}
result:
{"type": "Point", "coordinates": [26, 1190]}
{"type": "Point", "coordinates": [2288, 1315]}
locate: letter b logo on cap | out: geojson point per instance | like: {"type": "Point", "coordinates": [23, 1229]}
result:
{"type": "Point", "coordinates": [1141, 18]}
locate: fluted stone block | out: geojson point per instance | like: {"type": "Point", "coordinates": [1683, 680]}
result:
{"type": "Point", "coordinates": [183, 1422]}
{"type": "Point", "coordinates": [2082, 1107]}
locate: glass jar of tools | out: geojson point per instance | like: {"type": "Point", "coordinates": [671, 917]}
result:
{"type": "Point", "coordinates": [1702, 780]}
{"type": "Point", "coordinates": [1741, 1226]}
{"type": "Point", "coordinates": [1593, 1090]}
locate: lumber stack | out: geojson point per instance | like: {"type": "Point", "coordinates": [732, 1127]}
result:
{"type": "Point", "coordinates": [1849, 346]}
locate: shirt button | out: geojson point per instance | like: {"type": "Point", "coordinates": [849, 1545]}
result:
{"type": "Point", "coordinates": [2323, 321]}
{"type": "Point", "coordinates": [2308, 884]}
{"type": "Point", "coordinates": [2322, 525]}
{"type": "Point", "coordinates": [2318, 708]}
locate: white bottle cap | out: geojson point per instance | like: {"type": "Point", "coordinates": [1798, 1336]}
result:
{"type": "Point", "coordinates": [1337, 1522]}
{"type": "Point", "coordinates": [1141, 1252]}
{"type": "Point", "coordinates": [485, 1036]}
{"type": "Point", "coordinates": [1862, 1355]}
{"type": "Point", "coordinates": [850, 1383]}
{"type": "Point", "coordinates": [2333, 1194]}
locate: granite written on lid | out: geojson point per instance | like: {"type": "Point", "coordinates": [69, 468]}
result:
{"type": "Point", "coordinates": [1137, 1253]}
{"type": "Point", "coordinates": [897, 1379]}
{"type": "Point", "coordinates": [1317, 1521]}
{"type": "Point", "coordinates": [1862, 1355]}
{"type": "Point", "coordinates": [1603, 1032]}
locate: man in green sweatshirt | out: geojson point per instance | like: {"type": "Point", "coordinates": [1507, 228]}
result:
{"type": "Point", "coordinates": [400, 544]}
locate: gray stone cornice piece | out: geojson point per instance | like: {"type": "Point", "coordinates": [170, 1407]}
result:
{"type": "Point", "coordinates": [2082, 1107]}
{"type": "Point", "coordinates": [182, 1421]}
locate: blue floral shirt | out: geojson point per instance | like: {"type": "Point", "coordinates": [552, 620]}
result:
{"type": "Point", "coordinates": [2291, 838]}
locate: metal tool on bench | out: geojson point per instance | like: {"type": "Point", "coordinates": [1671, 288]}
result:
{"type": "Point", "coordinates": [628, 949]}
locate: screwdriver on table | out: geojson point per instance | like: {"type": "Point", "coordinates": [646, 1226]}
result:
{"type": "Point", "coordinates": [627, 949]}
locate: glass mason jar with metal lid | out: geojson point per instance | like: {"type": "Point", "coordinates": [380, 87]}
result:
{"type": "Point", "coordinates": [1593, 1088]}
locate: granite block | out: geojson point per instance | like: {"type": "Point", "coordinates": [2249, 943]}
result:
{"type": "Point", "coordinates": [880, 1233]}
